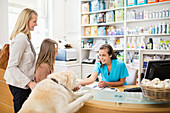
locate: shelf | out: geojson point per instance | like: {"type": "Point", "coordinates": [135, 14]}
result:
{"type": "Point", "coordinates": [87, 49]}
{"type": "Point", "coordinates": [102, 36]}
{"type": "Point", "coordinates": [161, 52]}
{"type": "Point", "coordinates": [115, 49]}
{"type": "Point", "coordinates": [133, 67]}
{"type": "Point", "coordinates": [86, 0]}
{"type": "Point", "coordinates": [132, 49]}
{"type": "Point", "coordinates": [151, 35]}
{"type": "Point", "coordinates": [118, 49]}
{"type": "Point", "coordinates": [144, 20]}
{"type": "Point", "coordinates": [152, 51]}
{"type": "Point", "coordinates": [102, 11]}
{"type": "Point", "coordinates": [100, 24]}
{"type": "Point", "coordinates": [88, 64]}
{"type": "Point", "coordinates": [147, 5]}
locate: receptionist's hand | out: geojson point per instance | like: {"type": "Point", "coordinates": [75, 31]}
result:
{"type": "Point", "coordinates": [102, 84]}
{"type": "Point", "coordinates": [77, 88]}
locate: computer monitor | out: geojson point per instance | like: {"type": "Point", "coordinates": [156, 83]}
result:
{"type": "Point", "coordinates": [158, 69]}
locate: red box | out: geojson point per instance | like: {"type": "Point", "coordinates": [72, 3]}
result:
{"type": "Point", "coordinates": [163, 0]}
{"type": "Point", "coordinates": [152, 1]}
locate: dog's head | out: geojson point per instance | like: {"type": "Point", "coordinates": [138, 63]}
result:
{"type": "Point", "coordinates": [67, 78]}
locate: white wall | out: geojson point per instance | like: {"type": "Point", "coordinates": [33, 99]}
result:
{"type": "Point", "coordinates": [3, 21]}
{"type": "Point", "coordinates": [56, 18]}
{"type": "Point", "coordinates": [64, 20]}
{"type": "Point", "coordinates": [73, 24]}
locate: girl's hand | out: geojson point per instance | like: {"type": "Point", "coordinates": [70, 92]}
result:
{"type": "Point", "coordinates": [32, 85]}
{"type": "Point", "coordinates": [102, 84]}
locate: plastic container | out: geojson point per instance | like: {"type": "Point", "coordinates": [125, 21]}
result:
{"type": "Point", "coordinates": [141, 2]}
{"type": "Point", "coordinates": [131, 2]}
{"type": "Point", "coordinates": [152, 1]}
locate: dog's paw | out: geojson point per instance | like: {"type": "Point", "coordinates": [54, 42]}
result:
{"type": "Point", "coordinates": [88, 96]}
{"type": "Point", "coordinates": [84, 91]}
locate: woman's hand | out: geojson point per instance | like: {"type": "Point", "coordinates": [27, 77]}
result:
{"type": "Point", "coordinates": [32, 85]}
{"type": "Point", "coordinates": [102, 84]}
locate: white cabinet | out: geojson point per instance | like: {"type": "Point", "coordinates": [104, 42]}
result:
{"type": "Point", "coordinates": [76, 68]}
{"type": "Point", "coordinates": [86, 69]}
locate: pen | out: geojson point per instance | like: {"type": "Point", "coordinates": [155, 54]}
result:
{"type": "Point", "coordinates": [103, 87]}
{"type": "Point", "coordinates": [94, 86]}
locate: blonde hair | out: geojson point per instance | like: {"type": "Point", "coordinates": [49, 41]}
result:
{"type": "Point", "coordinates": [47, 53]}
{"type": "Point", "coordinates": [21, 25]}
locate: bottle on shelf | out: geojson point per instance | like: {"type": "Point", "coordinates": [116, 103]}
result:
{"type": "Point", "coordinates": [167, 12]}
{"type": "Point", "coordinates": [142, 43]}
{"type": "Point", "coordinates": [138, 42]}
{"type": "Point", "coordinates": [149, 44]}
{"type": "Point", "coordinates": [128, 43]}
{"type": "Point", "coordinates": [133, 43]}
{"type": "Point", "coordinates": [164, 13]}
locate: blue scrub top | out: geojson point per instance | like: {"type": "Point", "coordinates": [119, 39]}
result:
{"type": "Point", "coordinates": [117, 72]}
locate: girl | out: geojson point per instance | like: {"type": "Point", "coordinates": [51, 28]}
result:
{"type": "Point", "coordinates": [46, 59]}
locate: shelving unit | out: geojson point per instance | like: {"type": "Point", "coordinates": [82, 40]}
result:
{"type": "Point", "coordinates": [85, 51]}
{"type": "Point", "coordinates": [146, 22]}
{"type": "Point", "coordinates": [130, 24]}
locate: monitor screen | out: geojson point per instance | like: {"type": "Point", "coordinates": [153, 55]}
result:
{"type": "Point", "coordinates": [158, 69]}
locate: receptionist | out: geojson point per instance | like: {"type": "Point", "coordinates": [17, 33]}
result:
{"type": "Point", "coordinates": [112, 70]}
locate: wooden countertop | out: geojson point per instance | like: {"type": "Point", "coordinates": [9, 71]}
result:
{"type": "Point", "coordinates": [96, 106]}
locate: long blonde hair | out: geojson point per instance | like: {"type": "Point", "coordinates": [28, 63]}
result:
{"type": "Point", "coordinates": [21, 25]}
{"type": "Point", "coordinates": [47, 53]}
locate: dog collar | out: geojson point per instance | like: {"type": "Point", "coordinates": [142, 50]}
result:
{"type": "Point", "coordinates": [56, 81]}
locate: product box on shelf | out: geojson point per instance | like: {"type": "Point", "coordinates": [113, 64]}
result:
{"type": "Point", "coordinates": [139, 14]}
{"type": "Point", "coordinates": [110, 16]}
{"type": "Point", "coordinates": [85, 7]}
{"type": "Point", "coordinates": [111, 30]}
{"type": "Point", "coordinates": [85, 19]}
{"type": "Point", "coordinates": [163, 0]}
{"type": "Point", "coordinates": [111, 4]}
{"type": "Point", "coordinates": [119, 3]}
{"type": "Point", "coordinates": [102, 31]}
{"type": "Point", "coordinates": [152, 1]}
{"type": "Point", "coordinates": [87, 31]}
{"type": "Point", "coordinates": [93, 18]}
{"type": "Point", "coordinates": [119, 15]}
{"type": "Point", "coordinates": [95, 5]}
{"type": "Point", "coordinates": [131, 2]}
{"type": "Point", "coordinates": [101, 18]}
{"type": "Point", "coordinates": [94, 30]}
{"type": "Point", "coordinates": [141, 2]}
{"type": "Point", "coordinates": [101, 5]}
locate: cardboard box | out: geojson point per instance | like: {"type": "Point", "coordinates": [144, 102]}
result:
{"type": "Point", "coordinates": [94, 30]}
{"type": "Point", "coordinates": [119, 15]}
{"type": "Point", "coordinates": [87, 31]}
{"type": "Point", "coordinates": [131, 2]}
{"type": "Point", "coordinates": [152, 1]}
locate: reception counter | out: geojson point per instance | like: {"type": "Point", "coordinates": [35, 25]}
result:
{"type": "Point", "coordinates": [123, 102]}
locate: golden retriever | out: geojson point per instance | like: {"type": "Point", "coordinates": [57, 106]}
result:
{"type": "Point", "coordinates": [54, 95]}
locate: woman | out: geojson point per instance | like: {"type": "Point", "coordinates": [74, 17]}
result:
{"type": "Point", "coordinates": [46, 59]}
{"type": "Point", "coordinates": [112, 70]}
{"type": "Point", "coordinates": [21, 65]}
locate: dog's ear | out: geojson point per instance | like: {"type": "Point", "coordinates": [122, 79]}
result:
{"type": "Point", "coordinates": [69, 80]}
